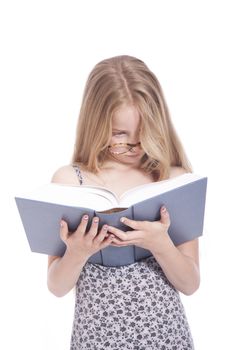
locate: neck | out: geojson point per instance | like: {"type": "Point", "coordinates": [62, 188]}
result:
{"type": "Point", "coordinates": [120, 166]}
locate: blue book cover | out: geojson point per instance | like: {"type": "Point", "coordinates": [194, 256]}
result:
{"type": "Point", "coordinates": [41, 211]}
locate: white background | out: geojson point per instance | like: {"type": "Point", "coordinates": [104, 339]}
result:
{"type": "Point", "coordinates": [47, 50]}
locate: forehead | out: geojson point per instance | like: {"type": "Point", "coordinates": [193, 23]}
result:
{"type": "Point", "coordinates": [126, 117]}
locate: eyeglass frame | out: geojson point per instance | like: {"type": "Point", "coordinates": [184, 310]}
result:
{"type": "Point", "coordinates": [129, 145]}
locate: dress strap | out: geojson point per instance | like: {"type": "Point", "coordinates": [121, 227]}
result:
{"type": "Point", "coordinates": [79, 174]}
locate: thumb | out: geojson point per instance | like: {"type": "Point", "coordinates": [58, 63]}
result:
{"type": "Point", "coordinates": [165, 218]}
{"type": "Point", "coordinates": [64, 232]}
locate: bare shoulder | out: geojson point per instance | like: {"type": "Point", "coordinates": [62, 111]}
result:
{"type": "Point", "coordinates": [65, 175]}
{"type": "Point", "coordinates": [176, 171]}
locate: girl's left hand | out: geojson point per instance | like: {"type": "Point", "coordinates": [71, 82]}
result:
{"type": "Point", "coordinates": [151, 235]}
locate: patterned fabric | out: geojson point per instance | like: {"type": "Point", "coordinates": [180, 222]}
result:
{"type": "Point", "coordinates": [79, 174]}
{"type": "Point", "coordinates": [128, 307]}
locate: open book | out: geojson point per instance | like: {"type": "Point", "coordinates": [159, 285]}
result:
{"type": "Point", "coordinates": [41, 211]}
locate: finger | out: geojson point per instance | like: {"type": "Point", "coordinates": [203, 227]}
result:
{"type": "Point", "coordinates": [102, 235]}
{"type": "Point", "coordinates": [83, 225]}
{"type": "Point", "coordinates": [165, 218]}
{"type": "Point", "coordinates": [120, 234]}
{"type": "Point", "coordinates": [124, 236]}
{"type": "Point", "coordinates": [94, 227]}
{"type": "Point", "coordinates": [136, 225]}
{"type": "Point", "coordinates": [64, 232]}
{"type": "Point", "coordinates": [118, 243]}
{"type": "Point", "coordinates": [107, 241]}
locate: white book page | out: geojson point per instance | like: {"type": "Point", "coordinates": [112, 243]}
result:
{"type": "Point", "coordinates": [143, 192]}
{"type": "Point", "coordinates": [100, 198]}
{"type": "Point", "coordinates": [79, 196]}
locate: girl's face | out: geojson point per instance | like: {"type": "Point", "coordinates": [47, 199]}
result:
{"type": "Point", "coordinates": [126, 129]}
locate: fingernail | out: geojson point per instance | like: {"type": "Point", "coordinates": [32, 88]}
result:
{"type": "Point", "coordinates": [122, 219]}
{"type": "Point", "coordinates": [85, 217]}
{"type": "Point", "coordinates": [105, 227]}
{"type": "Point", "coordinates": [96, 219]}
{"type": "Point", "coordinates": [164, 209]}
{"type": "Point", "coordinates": [61, 224]}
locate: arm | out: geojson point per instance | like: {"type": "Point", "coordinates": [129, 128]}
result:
{"type": "Point", "coordinates": [64, 272]}
{"type": "Point", "coordinates": [180, 264]}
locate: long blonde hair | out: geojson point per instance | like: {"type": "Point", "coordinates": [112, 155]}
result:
{"type": "Point", "coordinates": [127, 80]}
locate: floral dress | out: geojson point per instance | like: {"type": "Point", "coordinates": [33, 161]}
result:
{"type": "Point", "coordinates": [128, 307]}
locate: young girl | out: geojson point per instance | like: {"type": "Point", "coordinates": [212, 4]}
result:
{"type": "Point", "coordinates": [125, 138]}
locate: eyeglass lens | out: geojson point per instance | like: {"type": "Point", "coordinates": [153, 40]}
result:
{"type": "Point", "coordinates": [122, 148]}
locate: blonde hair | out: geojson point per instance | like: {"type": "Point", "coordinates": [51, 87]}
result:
{"type": "Point", "coordinates": [127, 80]}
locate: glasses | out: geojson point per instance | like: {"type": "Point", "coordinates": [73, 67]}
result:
{"type": "Point", "coordinates": [121, 148]}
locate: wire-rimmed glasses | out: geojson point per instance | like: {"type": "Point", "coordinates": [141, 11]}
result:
{"type": "Point", "coordinates": [121, 148]}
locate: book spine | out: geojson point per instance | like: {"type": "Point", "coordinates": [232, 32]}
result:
{"type": "Point", "coordinates": [139, 252]}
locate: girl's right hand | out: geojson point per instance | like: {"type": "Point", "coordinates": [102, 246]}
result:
{"type": "Point", "coordinates": [84, 244]}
